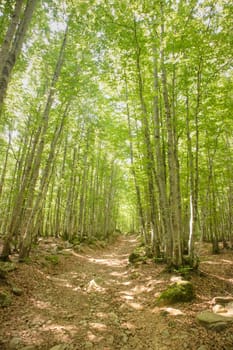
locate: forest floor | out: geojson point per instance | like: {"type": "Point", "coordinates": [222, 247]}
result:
{"type": "Point", "coordinates": [95, 299]}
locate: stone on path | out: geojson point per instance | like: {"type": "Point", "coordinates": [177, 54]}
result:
{"type": "Point", "coordinates": [222, 300]}
{"type": "Point", "coordinates": [214, 321]}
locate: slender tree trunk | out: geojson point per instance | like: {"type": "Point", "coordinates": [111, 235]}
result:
{"type": "Point", "coordinates": [3, 175]}
{"type": "Point", "coordinates": [9, 36]}
{"type": "Point", "coordinates": [161, 176]}
{"type": "Point", "coordinates": [173, 166]}
{"type": "Point", "coordinates": [192, 223]}
{"type": "Point", "coordinates": [137, 187]}
{"type": "Point", "coordinates": [11, 47]}
{"type": "Point", "coordinates": [150, 169]}
{"type": "Point", "coordinates": [28, 187]}
{"type": "Point", "coordinates": [26, 234]}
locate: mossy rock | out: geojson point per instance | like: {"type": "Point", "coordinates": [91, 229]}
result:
{"type": "Point", "coordinates": [5, 299]}
{"type": "Point", "coordinates": [181, 291]}
{"type": "Point", "coordinates": [134, 257]}
{"type": "Point", "coordinates": [138, 255]}
{"type": "Point", "coordinates": [53, 259]}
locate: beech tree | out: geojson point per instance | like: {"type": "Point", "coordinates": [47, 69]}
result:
{"type": "Point", "coordinates": [13, 41]}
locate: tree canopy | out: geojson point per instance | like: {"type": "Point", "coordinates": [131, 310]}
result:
{"type": "Point", "coordinates": [116, 115]}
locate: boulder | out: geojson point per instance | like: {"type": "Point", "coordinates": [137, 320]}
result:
{"type": "Point", "coordinates": [214, 321]}
{"type": "Point", "coordinates": [181, 291]}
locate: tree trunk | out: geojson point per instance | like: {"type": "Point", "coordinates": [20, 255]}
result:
{"type": "Point", "coordinates": [137, 187]}
{"type": "Point", "coordinates": [150, 169]}
{"type": "Point", "coordinates": [161, 176]}
{"type": "Point", "coordinates": [173, 166]}
{"type": "Point", "coordinates": [13, 43]}
{"type": "Point", "coordinates": [33, 164]}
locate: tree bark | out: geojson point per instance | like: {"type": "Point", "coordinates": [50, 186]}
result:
{"type": "Point", "coordinates": [12, 44]}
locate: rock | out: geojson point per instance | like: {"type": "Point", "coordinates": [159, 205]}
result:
{"type": "Point", "coordinates": [218, 309]}
{"type": "Point", "coordinates": [5, 299]}
{"type": "Point", "coordinates": [214, 321]}
{"type": "Point", "coordinates": [222, 300]}
{"type": "Point", "coordinates": [17, 291]}
{"type": "Point", "coordinates": [28, 347]}
{"type": "Point", "coordinates": [181, 291]}
{"type": "Point", "coordinates": [15, 343]}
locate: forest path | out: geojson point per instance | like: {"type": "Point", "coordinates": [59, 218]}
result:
{"type": "Point", "coordinates": [95, 300]}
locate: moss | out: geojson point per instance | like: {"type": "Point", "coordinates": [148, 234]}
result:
{"type": "Point", "coordinates": [134, 257]}
{"type": "Point", "coordinates": [138, 255]}
{"type": "Point", "coordinates": [159, 260]}
{"type": "Point", "coordinates": [54, 259]}
{"type": "Point", "coordinates": [7, 266]}
{"type": "Point", "coordinates": [184, 271]}
{"type": "Point", "coordinates": [180, 291]}
{"type": "Point", "coordinates": [5, 299]}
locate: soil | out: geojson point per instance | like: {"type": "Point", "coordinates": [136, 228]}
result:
{"type": "Point", "coordinates": [95, 299]}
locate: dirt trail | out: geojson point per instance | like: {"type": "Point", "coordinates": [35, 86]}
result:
{"type": "Point", "coordinates": [96, 300]}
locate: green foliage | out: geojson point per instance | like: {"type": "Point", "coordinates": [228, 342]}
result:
{"type": "Point", "coordinates": [53, 259]}
{"type": "Point", "coordinates": [134, 257]}
{"type": "Point", "coordinates": [159, 260]}
{"type": "Point", "coordinates": [184, 271]}
{"type": "Point", "coordinates": [7, 266]}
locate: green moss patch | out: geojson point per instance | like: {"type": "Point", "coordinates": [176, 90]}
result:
{"type": "Point", "coordinates": [6, 266]}
{"type": "Point", "coordinates": [181, 291]}
{"type": "Point", "coordinates": [53, 259]}
{"type": "Point", "coordinates": [137, 255]}
{"type": "Point", "coordinates": [5, 299]}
